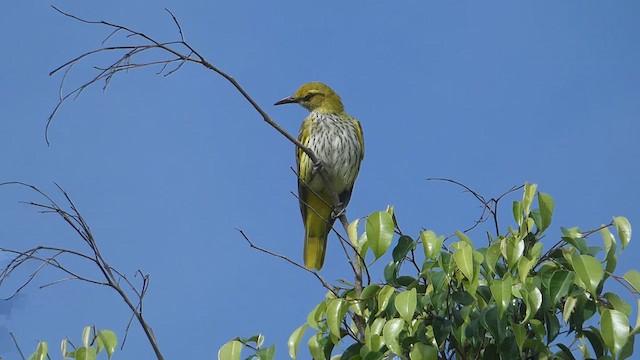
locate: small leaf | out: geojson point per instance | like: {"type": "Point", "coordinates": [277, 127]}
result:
{"type": "Point", "coordinates": [336, 310]}
{"type": "Point", "coordinates": [493, 254]}
{"type": "Point", "coordinates": [86, 332]}
{"type": "Point", "coordinates": [379, 232]}
{"type": "Point", "coordinates": [589, 270]}
{"type": "Point", "coordinates": [405, 303]}
{"type": "Point", "coordinates": [501, 291]}
{"type": "Point", "coordinates": [431, 244]}
{"type": "Point", "coordinates": [352, 233]}
{"type": "Point", "coordinates": [383, 298]}
{"type": "Point", "coordinates": [559, 285]}
{"type": "Point", "coordinates": [546, 210]}
{"type": "Point", "coordinates": [405, 244]}
{"type": "Point", "coordinates": [527, 198]}
{"type": "Point", "coordinates": [108, 340]}
{"type": "Point", "coordinates": [624, 230]}
{"type": "Point", "coordinates": [294, 340]}
{"type": "Point", "coordinates": [422, 351]}
{"type": "Point", "coordinates": [618, 304]}
{"type": "Point", "coordinates": [316, 315]}
{"type": "Point", "coordinates": [230, 350]}
{"type": "Point", "coordinates": [41, 352]}
{"type": "Point", "coordinates": [633, 278]}
{"type": "Point", "coordinates": [84, 353]}
{"type": "Point", "coordinates": [517, 212]}
{"type": "Point", "coordinates": [266, 353]}
{"type": "Point", "coordinates": [463, 256]}
{"type": "Point", "coordinates": [614, 328]}
{"type": "Point", "coordinates": [569, 305]}
{"type": "Point", "coordinates": [391, 334]}
{"type": "Point", "coordinates": [370, 291]}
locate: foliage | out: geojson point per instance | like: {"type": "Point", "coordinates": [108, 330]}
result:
{"type": "Point", "coordinates": [508, 300]}
{"type": "Point", "coordinates": [93, 342]}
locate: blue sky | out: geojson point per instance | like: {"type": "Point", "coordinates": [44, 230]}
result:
{"type": "Point", "coordinates": [164, 169]}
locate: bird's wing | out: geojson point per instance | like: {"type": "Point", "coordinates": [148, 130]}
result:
{"type": "Point", "coordinates": [305, 166]}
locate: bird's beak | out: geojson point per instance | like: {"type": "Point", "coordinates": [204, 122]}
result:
{"type": "Point", "coordinates": [287, 100]}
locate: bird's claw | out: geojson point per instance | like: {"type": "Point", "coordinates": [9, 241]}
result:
{"type": "Point", "coordinates": [338, 211]}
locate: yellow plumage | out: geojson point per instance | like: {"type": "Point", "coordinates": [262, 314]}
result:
{"type": "Point", "coordinates": [336, 139]}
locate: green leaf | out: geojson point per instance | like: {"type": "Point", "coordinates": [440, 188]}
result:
{"type": "Point", "coordinates": [379, 232]}
{"type": "Point", "coordinates": [352, 233]}
{"type": "Point", "coordinates": [86, 332]}
{"type": "Point", "coordinates": [391, 334]}
{"type": "Point", "coordinates": [493, 255]}
{"type": "Point", "coordinates": [624, 230]}
{"type": "Point", "coordinates": [569, 305]}
{"type": "Point", "coordinates": [517, 212]}
{"type": "Point", "coordinates": [524, 266]}
{"type": "Point", "coordinates": [546, 210]}
{"type": "Point", "coordinates": [230, 350]}
{"type": "Point", "coordinates": [520, 334]}
{"type": "Point", "coordinates": [463, 237]}
{"type": "Point", "coordinates": [533, 301]}
{"type": "Point", "coordinates": [336, 310]}
{"type": "Point", "coordinates": [316, 315]}
{"type": "Point", "coordinates": [527, 198]}
{"type": "Point", "coordinates": [41, 352]}
{"type": "Point", "coordinates": [370, 291]}
{"type": "Point", "coordinates": [405, 244]}
{"type": "Point", "coordinates": [501, 291]}
{"type": "Point", "coordinates": [383, 298]}
{"type": "Point", "coordinates": [316, 347]}
{"type": "Point", "coordinates": [559, 285]}
{"type": "Point", "coordinates": [463, 257]}
{"type": "Point", "coordinates": [589, 271]}
{"type": "Point", "coordinates": [294, 340]}
{"type": "Point", "coordinates": [352, 352]}
{"type": "Point", "coordinates": [267, 353]}
{"type": "Point", "coordinates": [431, 244]}
{"type": "Point", "coordinates": [491, 321]}
{"type": "Point", "coordinates": [84, 353]}
{"type": "Point", "coordinates": [618, 304]}
{"type": "Point", "coordinates": [614, 328]}
{"type": "Point", "coordinates": [421, 351]}
{"type": "Point", "coordinates": [406, 303]}
{"type": "Point", "coordinates": [633, 278]}
{"type": "Point", "coordinates": [108, 340]}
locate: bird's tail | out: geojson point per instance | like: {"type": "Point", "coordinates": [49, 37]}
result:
{"type": "Point", "coordinates": [317, 225]}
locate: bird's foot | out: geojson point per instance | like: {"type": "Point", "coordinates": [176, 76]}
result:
{"type": "Point", "coordinates": [338, 211]}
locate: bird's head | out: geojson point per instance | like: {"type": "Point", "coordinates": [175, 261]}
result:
{"type": "Point", "coordinates": [315, 96]}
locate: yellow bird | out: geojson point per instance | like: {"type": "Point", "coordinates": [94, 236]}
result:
{"type": "Point", "coordinates": [337, 141]}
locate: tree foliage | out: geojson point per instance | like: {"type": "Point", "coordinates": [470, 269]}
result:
{"type": "Point", "coordinates": [453, 299]}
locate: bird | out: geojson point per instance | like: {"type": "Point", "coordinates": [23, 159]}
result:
{"type": "Point", "coordinates": [337, 141]}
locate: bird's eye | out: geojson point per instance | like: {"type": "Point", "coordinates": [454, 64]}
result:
{"type": "Point", "coordinates": [309, 96]}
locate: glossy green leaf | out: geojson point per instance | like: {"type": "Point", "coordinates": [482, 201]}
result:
{"type": "Point", "coordinates": [383, 298]}
{"type": "Point", "coordinates": [614, 328]}
{"type": "Point", "coordinates": [618, 304]}
{"type": "Point", "coordinates": [569, 306]}
{"type": "Point", "coordinates": [527, 198]}
{"type": "Point", "coordinates": [633, 278]}
{"type": "Point", "coordinates": [405, 244]}
{"type": "Point", "coordinates": [517, 212]}
{"type": "Point", "coordinates": [406, 303]}
{"type": "Point", "coordinates": [533, 301]}
{"type": "Point", "coordinates": [316, 347]}
{"type": "Point", "coordinates": [84, 353]}
{"type": "Point", "coordinates": [268, 353]}
{"type": "Point", "coordinates": [463, 257]}
{"type": "Point", "coordinates": [336, 311]}
{"type": "Point", "coordinates": [492, 257]}
{"type": "Point", "coordinates": [377, 326]}
{"type": "Point", "coordinates": [379, 232]}
{"type": "Point", "coordinates": [421, 351]}
{"type": "Point", "coordinates": [316, 315]}
{"type": "Point", "coordinates": [352, 233]}
{"type": "Point", "coordinates": [431, 243]}
{"type": "Point", "coordinates": [501, 291]}
{"type": "Point", "coordinates": [524, 266]}
{"type": "Point", "coordinates": [86, 333]}
{"type": "Point", "coordinates": [624, 230]}
{"type": "Point", "coordinates": [391, 334]}
{"type": "Point", "coordinates": [463, 237]}
{"type": "Point", "coordinates": [491, 321]}
{"type": "Point", "coordinates": [41, 352]}
{"type": "Point", "coordinates": [520, 334]}
{"type": "Point", "coordinates": [559, 285]}
{"type": "Point", "coordinates": [370, 291]}
{"type": "Point", "coordinates": [108, 340]}
{"type": "Point", "coordinates": [546, 204]}
{"type": "Point", "coordinates": [294, 340]}
{"type": "Point", "coordinates": [230, 350]}
{"type": "Point", "coordinates": [589, 271]}
{"type": "Point", "coordinates": [352, 352]}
